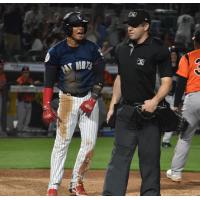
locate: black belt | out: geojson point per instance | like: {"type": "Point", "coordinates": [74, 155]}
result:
{"type": "Point", "coordinates": [76, 94]}
{"type": "Point", "coordinates": [131, 103]}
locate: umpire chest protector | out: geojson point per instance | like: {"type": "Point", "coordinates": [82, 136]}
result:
{"type": "Point", "coordinates": [138, 65]}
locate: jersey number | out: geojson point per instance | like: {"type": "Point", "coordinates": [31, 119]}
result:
{"type": "Point", "coordinates": [197, 70]}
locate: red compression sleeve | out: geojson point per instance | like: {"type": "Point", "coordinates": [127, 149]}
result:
{"type": "Point", "coordinates": [47, 95]}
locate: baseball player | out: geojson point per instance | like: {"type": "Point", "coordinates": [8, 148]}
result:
{"type": "Point", "coordinates": [188, 81]}
{"type": "Point", "coordinates": [78, 65]}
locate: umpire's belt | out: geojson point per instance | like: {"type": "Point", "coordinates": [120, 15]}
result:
{"type": "Point", "coordinates": [76, 94]}
{"type": "Point", "coordinates": [125, 102]}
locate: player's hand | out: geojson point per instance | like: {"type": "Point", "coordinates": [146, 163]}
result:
{"type": "Point", "coordinates": [87, 106]}
{"type": "Point", "coordinates": [150, 105]}
{"type": "Point", "coordinates": [48, 114]}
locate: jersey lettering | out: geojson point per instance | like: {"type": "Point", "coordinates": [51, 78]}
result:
{"type": "Point", "coordinates": [67, 67]}
{"type": "Point", "coordinates": [197, 70]}
{"type": "Point", "coordinates": [83, 65]}
{"type": "Point", "coordinates": [79, 65]}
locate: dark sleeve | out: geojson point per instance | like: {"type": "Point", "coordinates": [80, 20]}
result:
{"type": "Point", "coordinates": [52, 57]}
{"type": "Point", "coordinates": [50, 75]}
{"type": "Point", "coordinates": [181, 84]}
{"type": "Point", "coordinates": [51, 66]}
{"type": "Point", "coordinates": [164, 62]}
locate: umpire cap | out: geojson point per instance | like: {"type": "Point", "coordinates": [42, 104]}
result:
{"type": "Point", "coordinates": [137, 17]}
{"type": "Point", "coordinates": [196, 36]}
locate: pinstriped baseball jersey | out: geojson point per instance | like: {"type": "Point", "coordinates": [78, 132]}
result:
{"type": "Point", "coordinates": [76, 66]}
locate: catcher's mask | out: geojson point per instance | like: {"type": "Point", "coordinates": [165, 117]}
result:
{"type": "Point", "coordinates": [73, 19]}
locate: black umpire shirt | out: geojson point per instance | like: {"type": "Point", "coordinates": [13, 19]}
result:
{"type": "Point", "coordinates": [138, 65]}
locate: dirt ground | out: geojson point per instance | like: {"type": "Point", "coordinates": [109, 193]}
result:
{"type": "Point", "coordinates": [34, 183]}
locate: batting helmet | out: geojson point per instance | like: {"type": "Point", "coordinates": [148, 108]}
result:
{"type": "Point", "coordinates": [73, 19]}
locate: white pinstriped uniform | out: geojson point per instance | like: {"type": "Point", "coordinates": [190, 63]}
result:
{"type": "Point", "coordinates": [68, 112]}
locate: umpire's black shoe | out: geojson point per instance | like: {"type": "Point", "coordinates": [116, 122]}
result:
{"type": "Point", "coordinates": [166, 144]}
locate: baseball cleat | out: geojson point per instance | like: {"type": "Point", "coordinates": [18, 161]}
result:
{"type": "Point", "coordinates": [166, 145]}
{"type": "Point", "coordinates": [173, 177]}
{"type": "Point", "coordinates": [52, 192]}
{"type": "Point", "coordinates": [78, 190]}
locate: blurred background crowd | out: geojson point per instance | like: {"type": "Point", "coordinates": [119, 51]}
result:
{"type": "Point", "coordinates": [28, 30]}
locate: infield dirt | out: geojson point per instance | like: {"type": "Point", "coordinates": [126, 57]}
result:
{"type": "Point", "coordinates": [34, 183]}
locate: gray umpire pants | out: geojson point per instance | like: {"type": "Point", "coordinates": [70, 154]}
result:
{"type": "Point", "coordinates": [191, 111]}
{"type": "Point", "coordinates": [127, 138]}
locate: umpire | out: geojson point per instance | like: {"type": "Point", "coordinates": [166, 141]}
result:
{"type": "Point", "coordinates": [139, 59]}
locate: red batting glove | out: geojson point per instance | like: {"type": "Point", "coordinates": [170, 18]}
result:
{"type": "Point", "coordinates": [48, 114]}
{"type": "Point", "coordinates": [88, 106]}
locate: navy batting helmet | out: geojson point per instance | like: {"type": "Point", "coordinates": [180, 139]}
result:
{"type": "Point", "coordinates": [73, 19]}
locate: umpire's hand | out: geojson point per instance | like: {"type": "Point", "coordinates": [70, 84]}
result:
{"type": "Point", "coordinates": [175, 109]}
{"type": "Point", "coordinates": [109, 114]}
{"type": "Point", "coordinates": [150, 105]}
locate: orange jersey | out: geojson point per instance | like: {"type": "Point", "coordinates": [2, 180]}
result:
{"type": "Point", "coordinates": [190, 69]}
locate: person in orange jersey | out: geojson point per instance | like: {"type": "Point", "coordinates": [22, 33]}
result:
{"type": "Point", "coordinates": [188, 82]}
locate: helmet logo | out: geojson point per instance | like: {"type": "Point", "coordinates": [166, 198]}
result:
{"type": "Point", "coordinates": [132, 14]}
